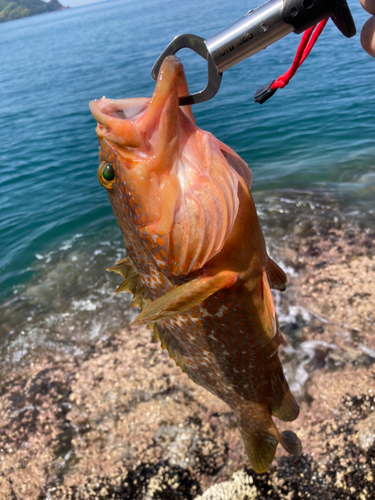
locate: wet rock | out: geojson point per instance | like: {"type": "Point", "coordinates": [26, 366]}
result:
{"type": "Point", "coordinates": [34, 431]}
{"type": "Point", "coordinates": [366, 433]}
{"type": "Point", "coordinates": [6, 492]}
{"type": "Point", "coordinates": [158, 416]}
{"type": "Point", "coordinates": [344, 293]}
{"type": "Point", "coordinates": [240, 486]}
{"type": "Point", "coordinates": [117, 419]}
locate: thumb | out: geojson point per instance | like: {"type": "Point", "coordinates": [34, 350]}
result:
{"type": "Point", "coordinates": [368, 36]}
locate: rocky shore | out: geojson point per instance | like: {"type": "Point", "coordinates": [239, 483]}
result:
{"type": "Point", "coordinates": [121, 421]}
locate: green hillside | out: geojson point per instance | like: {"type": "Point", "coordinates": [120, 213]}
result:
{"type": "Point", "coordinates": [15, 9]}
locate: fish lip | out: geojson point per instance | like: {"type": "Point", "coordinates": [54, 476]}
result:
{"type": "Point", "coordinates": [121, 109]}
{"type": "Point", "coordinates": [116, 119]}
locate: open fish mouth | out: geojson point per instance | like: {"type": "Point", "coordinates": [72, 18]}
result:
{"type": "Point", "coordinates": [116, 119]}
{"type": "Point", "coordinates": [124, 109]}
{"type": "Point", "coordinates": [133, 122]}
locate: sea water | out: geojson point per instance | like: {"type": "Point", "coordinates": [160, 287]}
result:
{"type": "Point", "coordinates": [57, 231]}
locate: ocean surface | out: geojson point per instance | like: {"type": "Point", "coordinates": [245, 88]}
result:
{"type": "Point", "coordinates": [57, 231]}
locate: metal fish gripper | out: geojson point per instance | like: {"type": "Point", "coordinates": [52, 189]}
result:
{"type": "Point", "coordinates": [255, 31]}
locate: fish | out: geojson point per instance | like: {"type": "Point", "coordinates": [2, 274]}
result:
{"type": "Point", "coordinates": [197, 263]}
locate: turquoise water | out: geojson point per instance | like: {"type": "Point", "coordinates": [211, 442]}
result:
{"type": "Point", "coordinates": [57, 232]}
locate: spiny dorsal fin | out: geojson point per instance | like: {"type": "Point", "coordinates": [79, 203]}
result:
{"type": "Point", "coordinates": [186, 296]}
{"type": "Point", "coordinates": [276, 276]}
{"type": "Point", "coordinates": [140, 299]}
{"type": "Point", "coordinates": [124, 267]}
{"type": "Point", "coordinates": [132, 282]}
{"type": "Point", "coordinates": [128, 285]}
{"type": "Point", "coordinates": [270, 324]}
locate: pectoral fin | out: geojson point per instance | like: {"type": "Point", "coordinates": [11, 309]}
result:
{"type": "Point", "coordinates": [186, 296]}
{"type": "Point", "coordinates": [270, 324]}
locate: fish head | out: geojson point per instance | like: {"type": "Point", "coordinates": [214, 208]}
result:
{"type": "Point", "coordinates": [138, 142]}
{"type": "Point", "coordinates": [170, 183]}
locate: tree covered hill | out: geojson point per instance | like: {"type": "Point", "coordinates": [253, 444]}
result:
{"type": "Point", "coordinates": [15, 9]}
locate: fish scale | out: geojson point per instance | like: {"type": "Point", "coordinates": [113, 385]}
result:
{"type": "Point", "coordinates": [197, 263]}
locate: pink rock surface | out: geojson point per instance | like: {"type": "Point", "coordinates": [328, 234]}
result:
{"type": "Point", "coordinates": [123, 422]}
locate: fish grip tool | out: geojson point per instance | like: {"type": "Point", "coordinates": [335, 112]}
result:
{"type": "Point", "coordinates": [255, 31]}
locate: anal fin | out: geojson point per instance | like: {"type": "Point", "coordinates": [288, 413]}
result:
{"type": "Point", "coordinates": [186, 296]}
{"type": "Point", "coordinates": [291, 442]}
{"type": "Point", "coordinates": [128, 285]}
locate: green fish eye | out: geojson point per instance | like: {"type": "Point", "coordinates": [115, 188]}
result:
{"type": "Point", "coordinates": [108, 173]}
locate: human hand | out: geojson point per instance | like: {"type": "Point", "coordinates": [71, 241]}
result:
{"type": "Point", "coordinates": [368, 30]}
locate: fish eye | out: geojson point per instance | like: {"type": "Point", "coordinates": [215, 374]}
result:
{"type": "Point", "coordinates": [106, 174]}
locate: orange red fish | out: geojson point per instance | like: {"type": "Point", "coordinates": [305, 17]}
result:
{"type": "Point", "coordinates": [197, 262]}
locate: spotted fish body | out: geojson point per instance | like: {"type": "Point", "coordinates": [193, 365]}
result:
{"type": "Point", "coordinates": [197, 263]}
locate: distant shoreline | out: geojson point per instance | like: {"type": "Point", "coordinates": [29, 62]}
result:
{"type": "Point", "coordinates": [11, 10]}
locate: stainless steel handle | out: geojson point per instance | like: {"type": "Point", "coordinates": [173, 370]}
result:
{"type": "Point", "coordinates": [247, 36]}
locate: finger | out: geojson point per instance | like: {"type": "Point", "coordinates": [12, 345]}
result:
{"type": "Point", "coordinates": [368, 5]}
{"type": "Point", "coordinates": [368, 36]}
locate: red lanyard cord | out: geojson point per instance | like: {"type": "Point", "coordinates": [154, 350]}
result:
{"type": "Point", "coordinates": [307, 42]}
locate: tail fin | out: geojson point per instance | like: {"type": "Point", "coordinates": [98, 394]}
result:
{"type": "Point", "coordinates": [260, 449]}
{"type": "Point", "coordinates": [261, 446]}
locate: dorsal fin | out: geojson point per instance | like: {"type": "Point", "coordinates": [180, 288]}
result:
{"type": "Point", "coordinates": [276, 276]}
{"type": "Point", "coordinates": [282, 403]}
{"type": "Point", "coordinates": [186, 296]}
